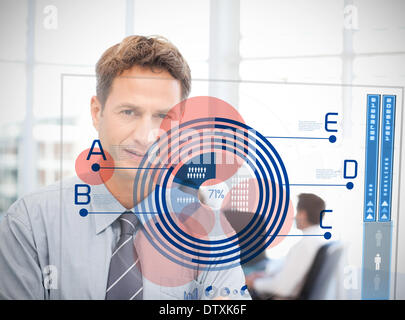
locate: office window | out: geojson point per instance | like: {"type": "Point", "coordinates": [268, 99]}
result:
{"type": "Point", "coordinates": [83, 29]}
{"type": "Point", "coordinates": [278, 28]}
{"type": "Point", "coordinates": [186, 29]}
{"type": "Point", "coordinates": [381, 27]}
{"type": "Point", "coordinates": [13, 31]}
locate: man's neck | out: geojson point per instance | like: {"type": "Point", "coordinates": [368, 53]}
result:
{"type": "Point", "coordinates": [122, 190]}
{"type": "Point", "coordinates": [309, 227]}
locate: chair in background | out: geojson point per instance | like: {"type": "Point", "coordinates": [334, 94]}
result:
{"type": "Point", "coordinates": [321, 280]}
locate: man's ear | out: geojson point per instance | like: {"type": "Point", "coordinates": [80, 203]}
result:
{"type": "Point", "coordinates": [96, 111]}
{"type": "Point", "coordinates": [305, 217]}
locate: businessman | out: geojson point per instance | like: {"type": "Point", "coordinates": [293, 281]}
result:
{"type": "Point", "coordinates": [49, 251]}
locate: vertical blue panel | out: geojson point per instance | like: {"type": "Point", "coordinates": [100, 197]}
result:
{"type": "Point", "coordinates": [371, 170]}
{"type": "Point", "coordinates": [376, 261]}
{"type": "Point", "coordinates": [387, 151]}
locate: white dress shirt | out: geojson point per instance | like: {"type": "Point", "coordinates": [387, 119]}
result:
{"type": "Point", "coordinates": [42, 236]}
{"type": "Point", "coordinates": [288, 281]}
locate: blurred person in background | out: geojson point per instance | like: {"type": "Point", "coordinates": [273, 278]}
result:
{"type": "Point", "coordinates": [288, 278]}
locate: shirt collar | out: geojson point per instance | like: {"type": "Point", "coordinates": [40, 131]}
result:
{"type": "Point", "coordinates": [103, 201]}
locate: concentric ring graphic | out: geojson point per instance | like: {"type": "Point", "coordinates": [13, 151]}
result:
{"type": "Point", "coordinates": [220, 192]}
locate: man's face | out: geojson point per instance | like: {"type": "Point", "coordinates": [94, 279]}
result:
{"type": "Point", "coordinates": [128, 124]}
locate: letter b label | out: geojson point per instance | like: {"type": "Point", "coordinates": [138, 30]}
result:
{"type": "Point", "coordinates": [80, 194]}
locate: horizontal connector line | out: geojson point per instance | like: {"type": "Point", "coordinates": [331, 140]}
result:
{"type": "Point", "coordinates": [294, 235]}
{"type": "Point", "coordinates": [316, 185]}
{"type": "Point", "coordinates": [300, 235]}
{"type": "Point", "coordinates": [65, 75]}
{"type": "Point", "coordinates": [312, 56]}
{"type": "Point", "coordinates": [134, 168]}
{"type": "Point", "coordinates": [101, 212]}
{"type": "Point", "coordinates": [318, 138]}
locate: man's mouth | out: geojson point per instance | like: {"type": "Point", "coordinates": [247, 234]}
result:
{"type": "Point", "coordinates": [135, 153]}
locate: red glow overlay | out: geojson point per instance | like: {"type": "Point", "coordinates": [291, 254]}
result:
{"type": "Point", "coordinates": [84, 169]}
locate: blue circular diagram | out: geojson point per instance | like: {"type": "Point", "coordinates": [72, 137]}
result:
{"type": "Point", "coordinates": [218, 197]}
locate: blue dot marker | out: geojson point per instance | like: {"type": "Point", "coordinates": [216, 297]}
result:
{"type": "Point", "coordinates": [332, 139]}
{"type": "Point", "coordinates": [95, 167]}
{"type": "Point", "coordinates": [83, 212]}
{"type": "Point", "coordinates": [327, 235]}
{"type": "Point", "coordinates": [349, 185]}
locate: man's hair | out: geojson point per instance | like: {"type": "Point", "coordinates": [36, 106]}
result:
{"type": "Point", "coordinates": [154, 52]}
{"type": "Point", "coordinates": [312, 205]}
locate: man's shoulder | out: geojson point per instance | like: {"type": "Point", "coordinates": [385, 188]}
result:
{"type": "Point", "coordinates": [42, 200]}
{"type": "Point", "coordinates": [312, 239]}
{"type": "Point", "coordinates": [48, 193]}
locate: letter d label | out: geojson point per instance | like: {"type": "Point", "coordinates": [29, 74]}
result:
{"type": "Point", "coordinates": [351, 167]}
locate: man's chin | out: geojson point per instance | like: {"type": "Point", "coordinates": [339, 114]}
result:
{"type": "Point", "coordinates": [131, 164]}
{"type": "Point", "coordinates": [130, 169]}
{"type": "Point", "coordinates": [126, 170]}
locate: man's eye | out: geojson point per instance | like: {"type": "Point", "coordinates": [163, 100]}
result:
{"type": "Point", "coordinates": [164, 115]}
{"type": "Point", "coordinates": [128, 112]}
